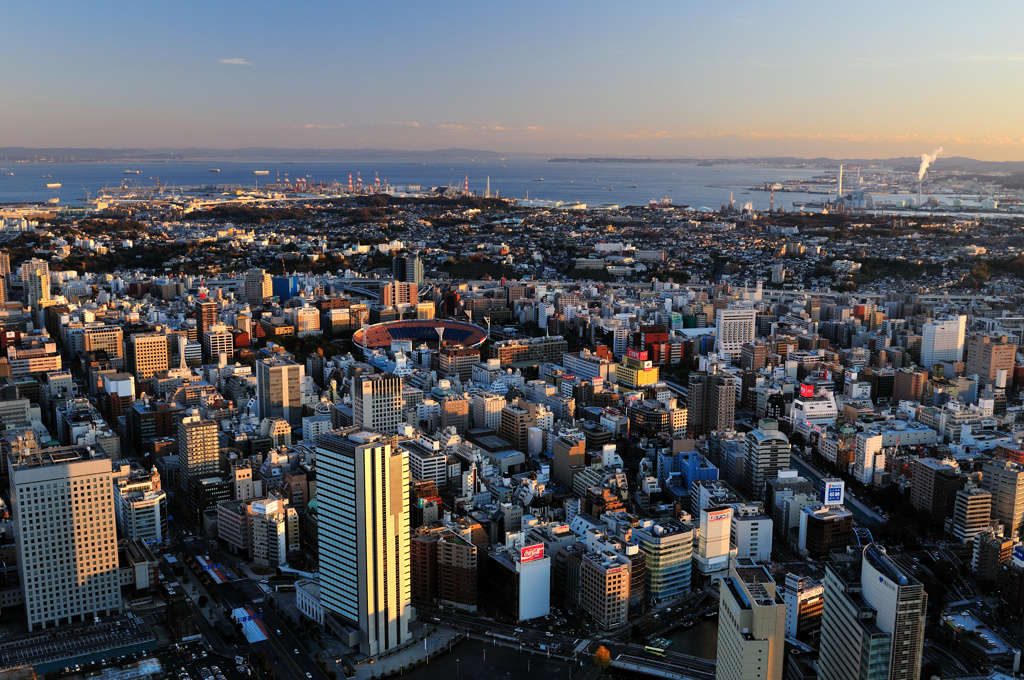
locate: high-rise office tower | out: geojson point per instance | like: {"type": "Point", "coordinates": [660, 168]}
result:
{"type": "Point", "coordinates": [711, 403]}
{"type": "Point", "coordinates": [766, 452]}
{"type": "Point", "coordinates": [363, 513]}
{"type": "Point", "coordinates": [751, 625]}
{"type": "Point", "coordinates": [377, 402]}
{"type": "Point", "coordinates": [34, 265]}
{"type": "Point", "coordinates": [407, 269]}
{"type": "Point", "coordinates": [258, 285]}
{"type": "Point", "coordinates": [734, 328]}
{"type": "Point", "coordinates": [65, 534]}
{"type": "Point", "coordinates": [279, 389]}
{"type": "Point", "coordinates": [147, 355]}
{"type": "Point", "coordinates": [943, 340]}
{"type": "Point", "coordinates": [206, 316]}
{"type": "Point", "coordinates": [198, 458]}
{"type": "Point", "coordinates": [872, 625]}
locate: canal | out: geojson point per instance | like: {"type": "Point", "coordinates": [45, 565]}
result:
{"type": "Point", "coordinates": [700, 641]}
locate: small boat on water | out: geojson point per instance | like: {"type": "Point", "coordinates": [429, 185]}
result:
{"type": "Point", "coordinates": [53, 200]}
{"type": "Point", "coordinates": [538, 179]}
{"type": "Point", "coordinates": [214, 170]}
{"type": "Point", "coordinates": [53, 185]}
{"type": "Point", "coordinates": [133, 172]}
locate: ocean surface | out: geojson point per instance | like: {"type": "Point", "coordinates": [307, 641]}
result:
{"type": "Point", "coordinates": [596, 184]}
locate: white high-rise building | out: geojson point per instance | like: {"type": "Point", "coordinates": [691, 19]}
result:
{"type": "Point", "coordinates": [363, 508]}
{"type": "Point", "coordinates": [943, 340]}
{"type": "Point", "coordinates": [275, 531]}
{"type": "Point", "coordinates": [63, 501]}
{"type": "Point", "coordinates": [486, 410]}
{"type": "Point", "coordinates": [734, 328]}
{"type": "Point", "coordinates": [377, 402]}
{"type": "Point", "coordinates": [751, 625]}
{"type": "Point", "coordinates": [714, 549]}
{"type": "Point", "coordinates": [869, 459]}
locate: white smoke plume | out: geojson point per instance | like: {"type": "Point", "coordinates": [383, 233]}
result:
{"type": "Point", "coordinates": [926, 160]}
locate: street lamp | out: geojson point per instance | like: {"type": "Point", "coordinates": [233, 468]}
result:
{"type": "Point", "coordinates": [456, 668]}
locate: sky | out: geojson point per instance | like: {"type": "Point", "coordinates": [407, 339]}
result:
{"type": "Point", "coordinates": [737, 78]}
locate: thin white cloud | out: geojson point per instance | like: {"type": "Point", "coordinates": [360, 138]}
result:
{"type": "Point", "coordinates": [317, 126]}
{"type": "Point", "coordinates": [236, 61]}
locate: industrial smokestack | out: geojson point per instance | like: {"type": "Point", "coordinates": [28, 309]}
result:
{"type": "Point", "coordinates": [926, 160]}
{"type": "Point", "coordinates": [839, 190]}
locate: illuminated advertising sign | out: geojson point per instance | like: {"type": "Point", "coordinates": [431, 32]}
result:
{"type": "Point", "coordinates": [598, 381]}
{"type": "Point", "coordinates": [807, 391]}
{"type": "Point", "coordinates": [531, 552]}
{"type": "Point", "coordinates": [1018, 554]}
{"type": "Point", "coordinates": [832, 492]}
{"type": "Point", "coordinates": [636, 354]}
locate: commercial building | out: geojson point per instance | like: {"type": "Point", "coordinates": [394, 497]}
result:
{"type": "Point", "coordinates": [933, 488]}
{"type": "Point", "coordinates": [873, 622]}
{"type": "Point", "coordinates": [766, 452]}
{"type": "Point", "coordinates": [989, 357]}
{"type": "Point", "coordinates": [1005, 481]}
{"type": "Point", "coordinates": [199, 458]}
{"type": "Point", "coordinates": [824, 528]}
{"type": "Point", "coordinates": [530, 351]}
{"type": "Point", "coordinates": [733, 329]}
{"type": "Point", "coordinates": [457, 362]}
{"type": "Point", "coordinates": [714, 550]}
{"type": "Point", "coordinates": [275, 531]}
{"type": "Point", "coordinates": [140, 505]}
{"type": "Point", "coordinates": [751, 625]}
{"type": "Point", "coordinates": [279, 390]}
{"type": "Point", "coordinates": [147, 355]}
{"type": "Point", "coordinates": [943, 340]}
{"type": "Point", "coordinates": [377, 402]}
{"type": "Point", "coordinates": [805, 601]}
{"type": "Point", "coordinates": [972, 512]}
{"type": "Point", "coordinates": [518, 580]}
{"type": "Point", "coordinates": [636, 371]}
{"type": "Point", "coordinates": [668, 547]}
{"type": "Point", "coordinates": [257, 286]}
{"type": "Point", "coordinates": [363, 536]}
{"type": "Point", "coordinates": [604, 591]}
{"type": "Point", "coordinates": [65, 534]}
{"type": "Point", "coordinates": [711, 402]}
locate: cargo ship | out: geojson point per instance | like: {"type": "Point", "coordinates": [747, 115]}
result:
{"type": "Point", "coordinates": [261, 172]}
{"type": "Point", "coordinates": [53, 185]}
{"type": "Point", "coordinates": [133, 172]}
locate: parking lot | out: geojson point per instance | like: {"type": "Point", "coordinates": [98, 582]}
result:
{"type": "Point", "coordinates": [74, 642]}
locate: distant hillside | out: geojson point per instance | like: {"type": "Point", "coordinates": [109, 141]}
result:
{"type": "Point", "coordinates": [907, 163]}
{"type": "Point", "coordinates": [250, 153]}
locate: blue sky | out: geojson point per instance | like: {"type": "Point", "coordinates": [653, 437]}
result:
{"type": "Point", "coordinates": [652, 78]}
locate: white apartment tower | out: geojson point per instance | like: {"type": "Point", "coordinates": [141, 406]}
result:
{"type": "Point", "coordinates": [63, 501]}
{"type": "Point", "coordinates": [363, 506]}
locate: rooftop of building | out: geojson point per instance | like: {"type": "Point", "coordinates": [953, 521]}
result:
{"type": "Point", "coordinates": [60, 455]}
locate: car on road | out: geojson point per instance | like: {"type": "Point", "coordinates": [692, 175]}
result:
{"type": "Point", "coordinates": [296, 651]}
{"type": "Point", "coordinates": [278, 632]}
{"type": "Point", "coordinates": [549, 634]}
{"type": "Point", "coordinates": [519, 630]}
{"type": "Point", "coordinates": [308, 674]}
